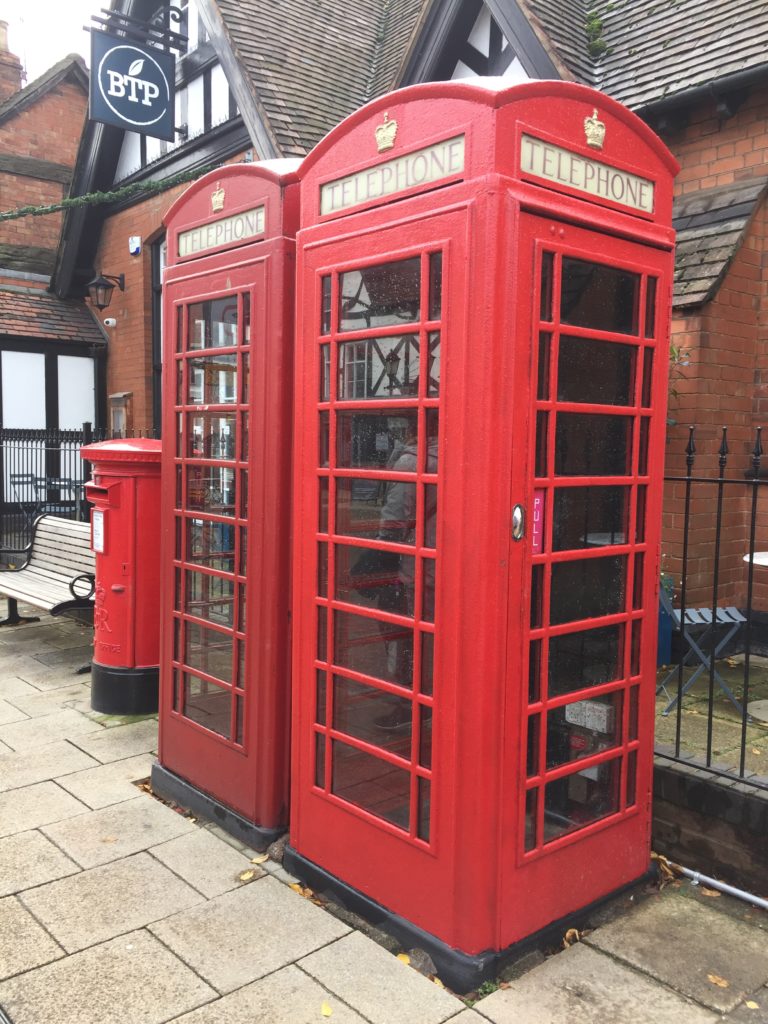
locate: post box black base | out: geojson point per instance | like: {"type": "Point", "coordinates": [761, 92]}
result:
{"type": "Point", "coordinates": [179, 791]}
{"type": "Point", "coordinates": [124, 691]}
{"type": "Point", "coordinates": [461, 972]}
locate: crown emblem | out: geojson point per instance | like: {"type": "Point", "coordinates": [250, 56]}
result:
{"type": "Point", "coordinates": [594, 129]}
{"type": "Point", "coordinates": [386, 133]}
{"type": "Point", "coordinates": [217, 198]}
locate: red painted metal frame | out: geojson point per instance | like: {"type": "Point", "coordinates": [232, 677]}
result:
{"type": "Point", "coordinates": [246, 770]}
{"type": "Point", "coordinates": [473, 883]}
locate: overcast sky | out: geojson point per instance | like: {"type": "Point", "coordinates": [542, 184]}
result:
{"type": "Point", "coordinates": [41, 32]}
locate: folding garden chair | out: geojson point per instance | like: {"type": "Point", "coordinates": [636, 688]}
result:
{"type": "Point", "coordinates": [701, 621]}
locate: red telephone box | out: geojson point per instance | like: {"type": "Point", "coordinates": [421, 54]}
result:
{"type": "Point", "coordinates": [483, 306]}
{"type": "Point", "coordinates": [228, 366]}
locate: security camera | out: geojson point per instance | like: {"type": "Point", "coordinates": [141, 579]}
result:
{"type": "Point", "coordinates": [109, 321]}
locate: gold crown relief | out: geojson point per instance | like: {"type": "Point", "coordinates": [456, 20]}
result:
{"type": "Point", "coordinates": [594, 129]}
{"type": "Point", "coordinates": [386, 133]}
{"type": "Point", "coordinates": [217, 198]}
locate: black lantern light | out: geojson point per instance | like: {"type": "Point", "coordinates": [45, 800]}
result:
{"type": "Point", "coordinates": [100, 289]}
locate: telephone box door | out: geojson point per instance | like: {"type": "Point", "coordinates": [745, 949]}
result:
{"type": "Point", "coordinates": [590, 537]}
{"type": "Point", "coordinates": [212, 731]}
{"type": "Point", "coordinates": [369, 480]}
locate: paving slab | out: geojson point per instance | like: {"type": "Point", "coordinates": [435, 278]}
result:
{"type": "Point", "coordinates": [9, 713]}
{"type": "Point", "coordinates": [129, 980]}
{"type": "Point", "coordinates": [752, 1010]}
{"type": "Point", "coordinates": [32, 806]}
{"type": "Point", "coordinates": [24, 944]}
{"type": "Point", "coordinates": [205, 862]}
{"type": "Point", "coordinates": [378, 985]}
{"type": "Point", "coordinates": [103, 902]}
{"type": "Point", "coordinates": [682, 943]}
{"type": "Point", "coordinates": [243, 935]}
{"type": "Point", "coordinates": [25, 768]}
{"type": "Point", "coordinates": [12, 686]}
{"type": "Point", "coordinates": [44, 677]}
{"type": "Point", "coordinates": [285, 997]}
{"type": "Point", "coordinates": [29, 859]}
{"type": "Point", "coordinates": [5, 749]}
{"type": "Point", "coordinates": [39, 732]}
{"type": "Point", "coordinates": [37, 704]}
{"type": "Point", "coordinates": [109, 783]}
{"type": "Point", "coordinates": [117, 831]}
{"type": "Point", "coordinates": [467, 1017]}
{"type": "Point", "coordinates": [120, 742]}
{"type": "Point", "coordinates": [583, 986]}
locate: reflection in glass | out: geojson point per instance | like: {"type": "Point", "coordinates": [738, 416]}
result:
{"type": "Point", "coordinates": [603, 298]}
{"type": "Point", "coordinates": [547, 276]}
{"type": "Point", "coordinates": [380, 368]}
{"type": "Point", "coordinates": [210, 597]}
{"type": "Point", "coordinates": [211, 545]}
{"type": "Point", "coordinates": [647, 377]}
{"type": "Point", "coordinates": [211, 435]}
{"type": "Point", "coordinates": [531, 808]}
{"type": "Point", "coordinates": [545, 344]}
{"type": "Point", "coordinates": [592, 445]}
{"type": "Point", "coordinates": [358, 506]}
{"type": "Point", "coordinates": [320, 696]}
{"type": "Point", "coordinates": [595, 372]}
{"type": "Point", "coordinates": [435, 285]}
{"type": "Point", "coordinates": [375, 440]}
{"type": "Point", "coordinates": [325, 373]}
{"type": "Point", "coordinates": [645, 429]}
{"type": "Point", "coordinates": [322, 634]}
{"type": "Point", "coordinates": [433, 384]}
{"type": "Point", "coordinates": [241, 609]}
{"type": "Point", "coordinates": [374, 579]}
{"type": "Point", "coordinates": [212, 380]}
{"type": "Point", "coordinates": [246, 377]}
{"type": "Point", "coordinates": [244, 494]}
{"type": "Point", "coordinates": [587, 588]}
{"type": "Point", "coordinates": [213, 323]}
{"type": "Point", "coordinates": [587, 658]}
{"type": "Point", "coordinates": [208, 705]}
{"type": "Point", "coordinates": [637, 585]}
{"type": "Point", "coordinates": [430, 516]}
{"type": "Point", "coordinates": [325, 304]}
{"type": "Point", "coordinates": [244, 436]}
{"type": "Point", "coordinates": [380, 296]}
{"type": "Point", "coordinates": [631, 793]}
{"type": "Point", "coordinates": [589, 517]}
{"type": "Point", "coordinates": [211, 489]}
{"type": "Point", "coordinates": [425, 736]}
{"type": "Point", "coordinates": [532, 746]}
{"type": "Point", "coordinates": [428, 590]}
{"type": "Point", "coordinates": [368, 714]}
{"type": "Point", "coordinates": [422, 825]}
{"type": "Point", "coordinates": [323, 500]}
{"type": "Point", "coordinates": [383, 650]}
{"type": "Point", "coordinates": [650, 308]}
{"type": "Point", "coordinates": [324, 453]}
{"type": "Point", "coordinates": [577, 800]}
{"type": "Point", "coordinates": [322, 569]}
{"type": "Point", "coordinates": [320, 760]}
{"type": "Point", "coordinates": [583, 728]}
{"type": "Point", "coordinates": [209, 651]}
{"type": "Point", "coordinates": [368, 782]}
{"type": "Point", "coordinates": [246, 339]}
{"type": "Point", "coordinates": [427, 662]}
{"type": "Point", "coordinates": [243, 561]}
{"type": "Point", "coordinates": [432, 421]}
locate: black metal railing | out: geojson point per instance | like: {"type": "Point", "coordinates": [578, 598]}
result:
{"type": "Point", "coordinates": [715, 603]}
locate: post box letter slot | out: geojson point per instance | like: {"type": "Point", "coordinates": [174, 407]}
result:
{"type": "Point", "coordinates": [518, 522]}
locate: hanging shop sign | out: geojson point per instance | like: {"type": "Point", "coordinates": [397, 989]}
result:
{"type": "Point", "coordinates": [132, 86]}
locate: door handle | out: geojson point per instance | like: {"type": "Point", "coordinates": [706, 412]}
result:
{"type": "Point", "coordinates": [518, 522]}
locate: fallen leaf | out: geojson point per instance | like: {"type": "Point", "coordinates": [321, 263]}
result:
{"type": "Point", "coordinates": [437, 982]}
{"type": "Point", "coordinates": [717, 980]}
{"type": "Point", "coordinates": [709, 892]}
{"type": "Point", "coordinates": [732, 662]}
{"type": "Point", "coordinates": [109, 839]}
{"type": "Point", "coordinates": [326, 1010]}
{"type": "Point", "coordinates": [403, 958]}
{"type": "Point", "coordinates": [756, 751]}
{"type": "Point", "coordinates": [752, 1004]}
{"type": "Point", "coordinates": [246, 876]}
{"type": "Point", "coordinates": [260, 859]}
{"type": "Point", "coordinates": [504, 984]}
{"type": "Point", "coordinates": [570, 937]}
{"type": "Point", "coordinates": [302, 890]}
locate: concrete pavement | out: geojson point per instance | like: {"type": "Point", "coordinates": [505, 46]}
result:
{"type": "Point", "coordinates": [117, 909]}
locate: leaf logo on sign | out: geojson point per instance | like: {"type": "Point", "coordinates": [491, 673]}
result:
{"type": "Point", "coordinates": [135, 69]}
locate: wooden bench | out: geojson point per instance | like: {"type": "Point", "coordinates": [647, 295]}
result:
{"type": "Point", "coordinates": [58, 570]}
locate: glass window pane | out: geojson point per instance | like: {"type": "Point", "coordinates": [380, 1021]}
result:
{"type": "Point", "coordinates": [383, 650]}
{"type": "Point", "coordinates": [592, 445]}
{"type": "Point", "coordinates": [587, 588]}
{"type": "Point", "coordinates": [422, 827]}
{"type": "Point", "coordinates": [211, 489]}
{"type": "Point", "coordinates": [595, 372]}
{"type": "Point", "coordinates": [425, 736]}
{"type": "Point", "coordinates": [647, 378]}
{"type": "Point", "coordinates": [542, 422]}
{"type": "Point", "coordinates": [322, 569]}
{"type": "Point", "coordinates": [433, 384]}
{"type": "Point", "coordinates": [211, 435]}
{"type": "Point", "coordinates": [246, 375]}
{"type": "Point", "coordinates": [323, 505]}
{"type": "Point", "coordinates": [430, 516]}
{"type": "Point", "coordinates": [427, 663]}
{"type": "Point", "coordinates": [320, 696]}
{"type": "Point", "coordinates": [320, 760]}
{"type": "Point", "coordinates": [246, 338]}
{"type": "Point", "coordinates": [579, 799]}
{"type": "Point", "coordinates": [583, 728]}
{"type": "Point", "coordinates": [545, 345]}
{"type": "Point", "coordinates": [212, 380]}
{"type": "Point", "coordinates": [368, 782]}
{"type": "Point", "coordinates": [210, 597]}
{"type": "Point", "coordinates": [325, 373]}
{"type": "Point", "coordinates": [379, 368]}
{"type": "Point", "coordinates": [435, 285]}
{"type": "Point", "coordinates": [381, 296]}
{"type": "Point", "coordinates": [587, 658]}
{"type": "Point", "coordinates": [368, 714]}
{"type": "Point", "coordinates": [208, 705]}
{"type": "Point", "coordinates": [211, 544]}
{"type": "Point", "coordinates": [213, 323]}
{"type": "Point", "coordinates": [650, 308]}
{"type": "Point", "coordinates": [589, 517]}
{"type": "Point", "coordinates": [547, 277]}
{"type": "Point", "coordinates": [325, 304]}
{"type": "Point", "coordinates": [375, 579]}
{"type": "Point", "coordinates": [428, 590]}
{"type": "Point", "coordinates": [603, 298]}
{"type": "Point", "coordinates": [209, 651]}
{"type": "Point", "coordinates": [376, 440]}
{"type": "Point", "coordinates": [376, 509]}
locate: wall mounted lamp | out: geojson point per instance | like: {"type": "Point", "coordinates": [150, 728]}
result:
{"type": "Point", "coordinates": [100, 289]}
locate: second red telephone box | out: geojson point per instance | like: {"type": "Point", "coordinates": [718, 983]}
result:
{"type": "Point", "coordinates": [484, 282]}
{"type": "Point", "coordinates": [228, 339]}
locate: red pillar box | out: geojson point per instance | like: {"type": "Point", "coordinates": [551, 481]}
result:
{"type": "Point", "coordinates": [484, 282]}
{"type": "Point", "coordinates": [228, 370]}
{"type": "Point", "coordinates": [125, 536]}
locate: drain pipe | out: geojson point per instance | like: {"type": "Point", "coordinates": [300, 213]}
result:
{"type": "Point", "coordinates": [669, 868]}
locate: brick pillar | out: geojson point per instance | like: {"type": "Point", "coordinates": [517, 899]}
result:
{"type": "Point", "coordinates": [11, 72]}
